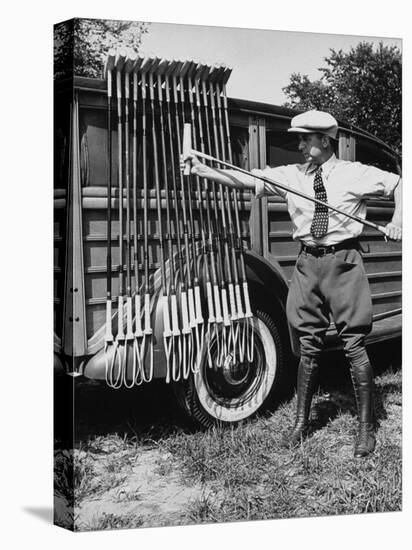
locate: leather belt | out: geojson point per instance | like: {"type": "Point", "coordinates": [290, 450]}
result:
{"type": "Point", "coordinates": [319, 251]}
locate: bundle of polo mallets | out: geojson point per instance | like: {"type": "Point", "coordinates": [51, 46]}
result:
{"type": "Point", "coordinates": [204, 290]}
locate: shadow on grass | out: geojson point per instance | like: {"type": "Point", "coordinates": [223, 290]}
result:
{"type": "Point", "coordinates": [145, 414]}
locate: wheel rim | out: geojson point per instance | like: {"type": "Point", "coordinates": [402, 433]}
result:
{"type": "Point", "coordinates": [237, 389]}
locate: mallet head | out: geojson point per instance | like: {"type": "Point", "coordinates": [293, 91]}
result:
{"type": "Point", "coordinates": [187, 146]}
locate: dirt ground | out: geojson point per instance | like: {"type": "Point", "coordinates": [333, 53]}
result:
{"type": "Point", "coordinates": [123, 477]}
{"type": "Point", "coordinates": [149, 494]}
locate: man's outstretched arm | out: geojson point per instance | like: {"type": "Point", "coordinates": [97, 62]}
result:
{"type": "Point", "coordinates": [231, 178]}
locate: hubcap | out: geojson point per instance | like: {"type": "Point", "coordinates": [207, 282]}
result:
{"type": "Point", "coordinates": [235, 381]}
{"type": "Point", "coordinates": [234, 372]}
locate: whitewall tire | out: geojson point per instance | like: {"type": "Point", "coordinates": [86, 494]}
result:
{"type": "Point", "coordinates": [235, 390]}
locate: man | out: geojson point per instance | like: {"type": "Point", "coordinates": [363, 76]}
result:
{"type": "Point", "coordinates": [329, 276]}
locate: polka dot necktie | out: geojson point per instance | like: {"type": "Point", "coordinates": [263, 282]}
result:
{"type": "Point", "coordinates": [320, 220]}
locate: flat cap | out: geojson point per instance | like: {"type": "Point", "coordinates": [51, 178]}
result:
{"type": "Point", "coordinates": [314, 121]}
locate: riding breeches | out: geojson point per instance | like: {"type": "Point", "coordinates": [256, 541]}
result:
{"type": "Point", "coordinates": [332, 287]}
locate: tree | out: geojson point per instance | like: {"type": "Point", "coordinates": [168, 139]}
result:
{"type": "Point", "coordinates": [362, 87]}
{"type": "Point", "coordinates": [80, 44]}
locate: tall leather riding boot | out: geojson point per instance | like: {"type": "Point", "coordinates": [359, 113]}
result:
{"type": "Point", "coordinates": [362, 378]}
{"type": "Point", "coordinates": [307, 375]}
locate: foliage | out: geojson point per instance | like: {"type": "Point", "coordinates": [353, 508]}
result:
{"type": "Point", "coordinates": [80, 44]}
{"type": "Point", "coordinates": [362, 87]}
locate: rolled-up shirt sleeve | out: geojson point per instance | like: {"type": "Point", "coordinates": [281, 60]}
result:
{"type": "Point", "coordinates": [265, 188]}
{"type": "Point", "coordinates": [374, 181]}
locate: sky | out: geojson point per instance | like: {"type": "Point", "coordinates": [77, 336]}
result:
{"type": "Point", "coordinates": [262, 60]}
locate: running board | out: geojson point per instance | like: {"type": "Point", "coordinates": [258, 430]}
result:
{"type": "Point", "coordinates": [388, 328]}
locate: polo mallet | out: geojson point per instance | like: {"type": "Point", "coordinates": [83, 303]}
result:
{"type": "Point", "coordinates": [108, 340]}
{"type": "Point", "coordinates": [368, 223]}
{"type": "Point", "coordinates": [226, 267]}
{"type": "Point", "coordinates": [186, 295]}
{"type": "Point", "coordinates": [194, 100]}
{"type": "Point", "coordinates": [234, 289]}
{"type": "Point", "coordinates": [129, 336]}
{"type": "Point", "coordinates": [115, 381]}
{"type": "Point", "coordinates": [167, 333]}
{"type": "Point", "coordinates": [201, 76]}
{"type": "Point", "coordinates": [248, 332]}
{"type": "Point", "coordinates": [176, 350]}
{"type": "Point", "coordinates": [194, 301]}
{"type": "Point", "coordinates": [186, 333]}
{"type": "Point", "coordinates": [147, 327]}
{"type": "Point", "coordinates": [138, 333]}
{"type": "Point", "coordinates": [200, 257]}
{"type": "Point", "coordinates": [217, 261]}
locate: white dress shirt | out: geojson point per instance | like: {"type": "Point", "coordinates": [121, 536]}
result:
{"type": "Point", "coordinates": [346, 185]}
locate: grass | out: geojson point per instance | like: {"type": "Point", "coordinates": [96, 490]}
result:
{"type": "Point", "coordinates": [254, 476]}
{"type": "Point", "coordinates": [244, 472]}
{"type": "Point", "coordinates": [113, 521]}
